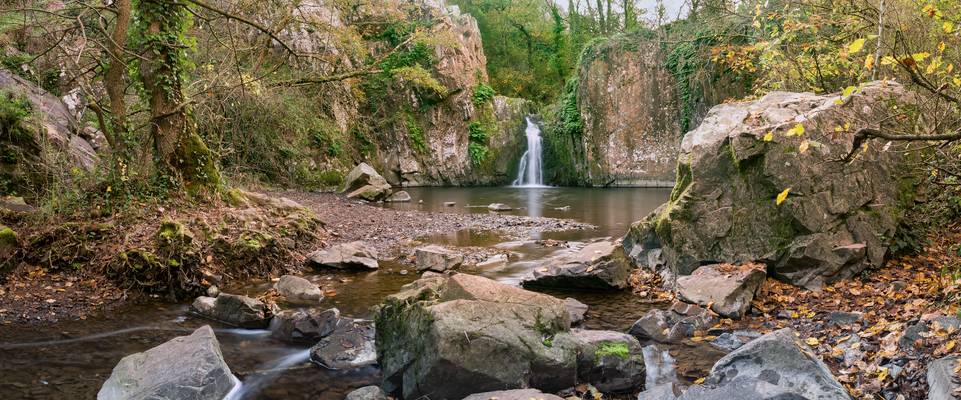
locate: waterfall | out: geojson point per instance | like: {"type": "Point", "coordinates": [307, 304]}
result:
{"type": "Point", "coordinates": [530, 172]}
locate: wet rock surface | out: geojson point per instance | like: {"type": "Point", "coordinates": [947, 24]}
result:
{"type": "Point", "coordinates": [437, 258]}
{"type": "Point", "coordinates": [304, 326]}
{"type": "Point", "coordinates": [237, 310]}
{"type": "Point", "coordinates": [726, 289]}
{"type": "Point", "coordinates": [681, 321]}
{"type": "Point", "coordinates": [599, 265]}
{"type": "Point", "coordinates": [367, 393]}
{"type": "Point", "coordinates": [184, 368]}
{"type": "Point", "coordinates": [723, 208]}
{"type": "Point", "coordinates": [517, 394]}
{"type": "Point", "coordinates": [349, 346]}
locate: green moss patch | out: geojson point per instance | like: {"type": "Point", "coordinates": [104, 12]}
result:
{"type": "Point", "coordinates": [615, 349]}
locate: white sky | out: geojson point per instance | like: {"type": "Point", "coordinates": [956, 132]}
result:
{"type": "Point", "coordinates": [673, 8]}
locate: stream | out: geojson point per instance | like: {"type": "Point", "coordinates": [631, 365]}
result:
{"type": "Point", "coordinates": [72, 359]}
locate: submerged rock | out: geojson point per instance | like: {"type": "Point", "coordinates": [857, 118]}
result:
{"type": "Point", "coordinates": [364, 182]}
{"type": "Point", "coordinates": [516, 394]}
{"type": "Point", "coordinates": [726, 289]}
{"type": "Point", "coordinates": [305, 326]}
{"type": "Point", "coordinates": [437, 259]}
{"type": "Point", "coordinates": [399, 197]}
{"type": "Point", "coordinates": [353, 255]}
{"type": "Point", "coordinates": [452, 336]}
{"type": "Point", "coordinates": [349, 346]}
{"type": "Point", "coordinates": [367, 393]}
{"type": "Point", "coordinates": [184, 368]}
{"type": "Point", "coordinates": [780, 359]}
{"type": "Point", "coordinates": [600, 265]}
{"type": "Point", "coordinates": [672, 325]}
{"type": "Point", "coordinates": [237, 310]}
{"type": "Point", "coordinates": [837, 215]}
{"type": "Point", "coordinates": [660, 366]}
{"type": "Point", "coordinates": [297, 289]}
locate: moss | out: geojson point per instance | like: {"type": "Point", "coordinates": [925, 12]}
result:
{"type": "Point", "coordinates": [616, 349]}
{"type": "Point", "coordinates": [7, 236]}
{"type": "Point", "coordinates": [235, 197]}
{"type": "Point", "coordinates": [683, 179]}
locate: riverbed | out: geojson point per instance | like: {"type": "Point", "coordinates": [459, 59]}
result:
{"type": "Point", "coordinates": [71, 359]}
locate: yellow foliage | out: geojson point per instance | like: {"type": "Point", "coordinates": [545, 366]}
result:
{"type": "Point", "coordinates": [782, 196]}
{"type": "Point", "coordinates": [856, 46]}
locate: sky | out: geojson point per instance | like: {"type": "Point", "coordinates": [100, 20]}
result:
{"type": "Point", "coordinates": [674, 8]}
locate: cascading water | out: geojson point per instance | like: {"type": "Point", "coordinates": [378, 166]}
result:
{"type": "Point", "coordinates": [530, 171]}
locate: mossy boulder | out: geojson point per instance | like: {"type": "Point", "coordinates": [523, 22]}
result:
{"type": "Point", "coordinates": [453, 336]}
{"type": "Point", "coordinates": [839, 214]}
{"type": "Point", "coordinates": [9, 243]}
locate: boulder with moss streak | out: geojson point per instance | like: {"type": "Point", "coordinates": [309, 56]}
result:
{"type": "Point", "coordinates": [839, 214]}
{"type": "Point", "coordinates": [448, 337]}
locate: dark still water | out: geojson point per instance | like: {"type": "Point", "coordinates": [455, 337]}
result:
{"type": "Point", "coordinates": [72, 359]}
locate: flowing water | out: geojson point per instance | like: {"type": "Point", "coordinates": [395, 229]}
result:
{"type": "Point", "coordinates": [530, 172]}
{"type": "Point", "coordinates": [72, 359]}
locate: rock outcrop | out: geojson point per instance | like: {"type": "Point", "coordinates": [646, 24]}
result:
{"type": "Point", "coordinates": [184, 368]}
{"type": "Point", "coordinates": [599, 265]}
{"type": "Point", "coordinates": [36, 122]}
{"type": "Point", "coordinates": [453, 336]}
{"type": "Point", "coordinates": [837, 215]}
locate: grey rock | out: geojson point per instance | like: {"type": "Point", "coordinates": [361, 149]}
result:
{"type": "Point", "coordinates": [450, 203]}
{"type": "Point", "coordinates": [364, 182]}
{"type": "Point", "coordinates": [730, 341]}
{"type": "Point", "coordinates": [367, 393]}
{"type": "Point", "coordinates": [664, 391]}
{"type": "Point", "coordinates": [779, 358]}
{"type": "Point", "coordinates": [183, 368]}
{"type": "Point", "coordinates": [349, 346]}
{"type": "Point", "coordinates": [837, 217]}
{"type": "Point", "coordinates": [304, 326]}
{"type": "Point", "coordinates": [844, 318]}
{"type": "Point", "coordinates": [437, 259]}
{"type": "Point", "coordinates": [353, 255]}
{"type": "Point", "coordinates": [576, 310]}
{"type": "Point", "coordinates": [727, 289]}
{"type": "Point", "coordinates": [681, 321]}
{"type": "Point", "coordinates": [600, 265]}
{"type": "Point", "coordinates": [611, 361]}
{"type": "Point", "coordinates": [237, 310]}
{"type": "Point", "coordinates": [499, 207]}
{"type": "Point", "coordinates": [213, 291]}
{"type": "Point", "coordinates": [399, 197]}
{"type": "Point", "coordinates": [516, 394]}
{"type": "Point", "coordinates": [744, 388]}
{"type": "Point", "coordinates": [297, 289]}
{"type": "Point", "coordinates": [943, 382]}
{"type": "Point", "coordinates": [914, 333]}
{"type": "Point", "coordinates": [494, 262]}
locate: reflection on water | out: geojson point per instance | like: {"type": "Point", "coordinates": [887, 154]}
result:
{"type": "Point", "coordinates": [72, 359]}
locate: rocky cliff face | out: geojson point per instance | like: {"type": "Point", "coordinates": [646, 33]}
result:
{"type": "Point", "coordinates": [422, 137]}
{"type": "Point", "coordinates": [753, 186]}
{"type": "Point", "coordinates": [627, 102]}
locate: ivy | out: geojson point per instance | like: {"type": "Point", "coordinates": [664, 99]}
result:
{"type": "Point", "coordinates": [168, 41]}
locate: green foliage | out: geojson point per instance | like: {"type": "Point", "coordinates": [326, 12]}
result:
{"type": "Point", "coordinates": [415, 132]}
{"type": "Point", "coordinates": [569, 115]}
{"type": "Point", "coordinates": [477, 134]}
{"type": "Point", "coordinates": [483, 94]}
{"type": "Point", "coordinates": [168, 40]}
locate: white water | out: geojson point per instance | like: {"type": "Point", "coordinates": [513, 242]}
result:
{"type": "Point", "coordinates": [530, 172]}
{"type": "Point", "coordinates": [266, 374]}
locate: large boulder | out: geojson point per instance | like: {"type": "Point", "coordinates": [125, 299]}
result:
{"type": "Point", "coordinates": [944, 383]}
{"type": "Point", "coordinates": [353, 255]}
{"type": "Point", "coordinates": [743, 388]}
{"type": "Point", "coordinates": [297, 289]}
{"type": "Point", "coordinates": [237, 310]}
{"type": "Point", "coordinates": [452, 336]}
{"type": "Point", "coordinates": [599, 265]}
{"type": "Point", "coordinates": [839, 213]}
{"type": "Point", "coordinates": [349, 346]}
{"type": "Point", "coordinates": [33, 122]}
{"type": "Point", "coordinates": [364, 182]}
{"type": "Point", "coordinates": [779, 358]}
{"type": "Point", "coordinates": [724, 288]}
{"type": "Point", "coordinates": [184, 368]}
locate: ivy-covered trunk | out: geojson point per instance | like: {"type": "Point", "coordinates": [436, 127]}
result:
{"type": "Point", "coordinates": [180, 154]}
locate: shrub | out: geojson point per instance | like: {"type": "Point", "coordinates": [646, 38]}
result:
{"type": "Point", "coordinates": [483, 94]}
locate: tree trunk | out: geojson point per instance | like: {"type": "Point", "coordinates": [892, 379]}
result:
{"type": "Point", "coordinates": [179, 152]}
{"type": "Point", "coordinates": [114, 80]}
